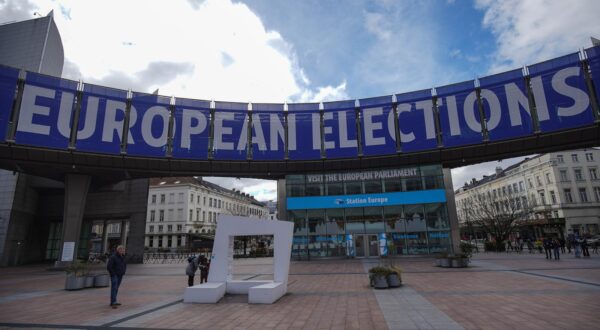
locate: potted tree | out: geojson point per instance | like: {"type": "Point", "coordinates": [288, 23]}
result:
{"type": "Point", "coordinates": [394, 278]}
{"type": "Point", "coordinates": [75, 276]}
{"type": "Point", "coordinates": [378, 276]}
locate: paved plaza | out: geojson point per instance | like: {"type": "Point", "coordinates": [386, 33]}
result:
{"type": "Point", "coordinates": [497, 291]}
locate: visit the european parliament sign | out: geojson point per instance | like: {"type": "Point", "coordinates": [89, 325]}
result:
{"type": "Point", "coordinates": [43, 111]}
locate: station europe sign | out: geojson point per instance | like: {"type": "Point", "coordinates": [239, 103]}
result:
{"type": "Point", "coordinates": [555, 95]}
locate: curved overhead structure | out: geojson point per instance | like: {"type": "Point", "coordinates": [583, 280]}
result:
{"type": "Point", "coordinates": [51, 126]}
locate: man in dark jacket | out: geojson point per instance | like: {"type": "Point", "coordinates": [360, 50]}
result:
{"type": "Point", "coordinates": [116, 267]}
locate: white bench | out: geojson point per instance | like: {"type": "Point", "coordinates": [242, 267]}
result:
{"type": "Point", "coordinates": [243, 287]}
{"type": "Point", "coordinates": [267, 293]}
{"type": "Point", "coordinates": [206, 293]}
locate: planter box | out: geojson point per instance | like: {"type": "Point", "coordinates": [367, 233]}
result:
{"type": "Point", "coordinates": [380, 282]}
{"type": "Point", "coordinates": [460, 262]}
{"type": "Point", "coordinates": [89, 281]}
{"type": "Point", "coordinates": [102, 280]}
{"type": "Point", "coordinates": [445, 262]}
{"type": "Point", "coordinates": [73, 282]}
{"type": "Point", "coordinates": [394, 281]}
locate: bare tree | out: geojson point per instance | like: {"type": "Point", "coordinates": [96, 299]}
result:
{"type": "Point", "coordinates": [498, 215]}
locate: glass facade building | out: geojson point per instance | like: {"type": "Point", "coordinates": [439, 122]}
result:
{"type": "Point", "coordinates": [400, 211]}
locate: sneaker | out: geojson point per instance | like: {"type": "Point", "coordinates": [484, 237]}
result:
{"type": "Point", "coordinates": [117, 304]}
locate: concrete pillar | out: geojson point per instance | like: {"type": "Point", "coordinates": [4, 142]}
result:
{"type": "Point", "coordinates": [281, 200]}
{"type": "Point", "coordinates": [451, 206]}
{"type": "Point", "coordinates": [76, 190]}
{"type": "Point", "coordinates": [137, 233]}
{"type": "Point", "coordinates": [105, 237]}
{"type": "Point", "coordinates": [124, 233]}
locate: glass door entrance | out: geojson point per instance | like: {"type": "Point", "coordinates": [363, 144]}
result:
{"type": "Point", "coordinates": [367, 245]}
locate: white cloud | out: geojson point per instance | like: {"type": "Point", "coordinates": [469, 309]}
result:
{"type": "Point", "coordinates": [262, 190]}
{"type": "Point", "coordinates": [460, 175]}
{"type": "Point", "coordinates": [532, 31]}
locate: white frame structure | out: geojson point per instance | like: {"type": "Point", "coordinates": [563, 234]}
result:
{"type": "Point", "coordinates": [220, 279]}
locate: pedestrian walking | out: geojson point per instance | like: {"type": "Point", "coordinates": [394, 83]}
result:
{"type": "Point", "coordinates": [548, 247]}
{"type": "Point", "coordinates": [577, 247]}
{"type": "Point", "coordinates": [191, 268]}
{"type": "Point", "coordinates": [538, 245]}
{"type": "Point", "coordinates": [562, 243]}
{"type": "Point", "coordinates": [116, 267]}
{"type": "Point", "coordinates": [569, 244]}
{"type": "Point", "coordinates": [584, 247]}
{"type": "Point", "coordinates": [556, 248]}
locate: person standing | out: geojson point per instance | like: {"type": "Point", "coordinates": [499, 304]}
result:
{"type": "Point", "coordinates": [190, 270]}
{"type": "Point", "coordinates": [548, 247]}
{"type": "Point", "coordinates": [556, 247]}
{"type": "Point", "coordinates": [584, 247]}
{"type": "Point", "coordinates": [116, 267]}
{"type": "Point", "coordinates": [204, 268]}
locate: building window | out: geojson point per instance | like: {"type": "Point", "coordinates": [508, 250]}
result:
{"type": "Point", "coordinates": [152, 214]}
{"type": "Point", "coordinates": [578, 175]}
{"type": "Point", "coordinates": [191, 198]}
{"type": "Point", "coordinates": [560, 159]}
{"type": "Point", "coordinates": [593, 174]}
{"type": "Point", "coordinates": [515, 187]}
{"type": "Point", "coordinates": [589, 157]}
{"type": "Point", "coordinates": [210, 202]}
{"type": "Point", "coordinates": [509, 189]}
{"type": "Point", "coordinates": [537, 179]}
{"type": "Point", "coordinates": [548, 180]}
{"type": "Point", "coordinates": [204, 200]}
{"type": "Point", "coordinates": [574, 158]}
{"type": "Point", "coordinates": [552, 197]}
{"type": "Point", "coordinates": [563, 176]}
{"type": "Point", "coordinates": [178, 240]}
{"type": "Point", "coordinates": [151, 241]}
{"type": "Point", "coordinates": [160, 228]}
{"type": "Point", "coordinates": [162, 198]}
{"type": "Point", "coordinates": [161, 215]}
{"type": "Point", "coordinates": [542, 197]}
{"type": "Point", "coordinates": [170, 216]}
{"type": "Point", "coordinates": [191, 215]}
{"type": "Point", "coordinates": [568, 197]}
{"type": "Point", "coordinates": [169, 241]}
{"type": "Point", "coordinates": [521, 186]}
{"type": "Point", "coordinates": [180, 197]}
{"type": "Point", "coordinates": [197, 214]}
{"type": "Point", "coordinates": [583, 195]}
{"type": "Point", "coordinates": [180, 214]}
{"type": "Point", "coordinates": [170, 228]}
{"type": "Point", "coordinates": [171, 198]}
{"type": "Point", "coordinates": [529, 183]}
{"type": "Point", "coordinates": [597, 193]}
{"type": "Point", "coordinates": [153, 199]}
{"type": "Point", "coordinates": [179, 227]}
{"type": "Point", "coordinates": [203, 216]}
{"type": "Point", "coordinates": [160, 241]}
{"type": "Point", "coordinates": [151, 229]}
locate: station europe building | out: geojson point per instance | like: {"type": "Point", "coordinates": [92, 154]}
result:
{"type": "Point", "coordinates": [386, 212]}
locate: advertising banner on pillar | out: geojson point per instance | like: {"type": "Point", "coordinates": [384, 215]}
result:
{"type": "Point", "coordinates": [593, 56]}
{"type": "Point", "coordinates": [8, 85]}
{"type": "Point", "coordinates": [378, 129]}
{"type": "Point", "coordinates": [268, 131]}
{"type": "Point", "coordinates": [304, 131]}
{"type": "Point", "coordinates": [416, 123]}
{"type": "Point", "coordinates": [505, 105]}
{"type": "Point", "coordinates": [148, 125]}
{"type": "Point", "coordinates": [46, 111]}
{"type": "Point", "coordinates": [459, 114]}
{"type": "Point", "coordinates": [101, 119]}
{"type": "Point", "coordinates": [560, 93]}
{"type": "Point", "coordinates": [340, 138]}
{"type": "Point", "coordinates": [191, 129]}
{"type": "Point", "coordinates": [231, 131]}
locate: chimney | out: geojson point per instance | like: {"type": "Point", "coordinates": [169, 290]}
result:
{"type": "Point", "coordinates": [498, 170]}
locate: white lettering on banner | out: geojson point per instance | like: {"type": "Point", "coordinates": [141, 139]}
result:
{"type": "Point", "coordinates": [91, 112]}
{"type": "Point", "coordinates": [495, 108]}
{"type": "Point", "coordinates": [29, 108]}
{"type": "Point", "coordinates": [345, 141]}
{"type": "Point", "coordinates": [515, 99]}
{"type": "Point", "coordinates": [64, 114]}
{"type": "Point", "coordinates": [537, 86]}
{"type": "Point", "coordinates": [111, 124]}
{"type": "Point", "coordinates": [243, 141]}
{"type": "Point", "coordinates": [371, 127]}
{"type": "Point", "coordinates": [220, 131]}
{"type": "Point", "coordinates": [326, 131]}
{"type": "Point", "coordinates": [427, 107]}
{"type": "Point", "coordinates": [291, 128]}
{"type": "Point", "coordinates": [453, 115]}
{"type": "Point", "coordinates": [361, 176]}
{"type": "Point", "coordinates": [187, 130]}
{"type": "Point", "coordinates": [368, 200]}
{"type": "Point", "coordinates": [276, 131]}
{"type": "Point", "coordinates": [404, 137]}
{"type": "Point", "coordinates": [258, 136]}
{"type": "Point", "coordinates": [580, 99]}
{"type": "Point", "coordinates": [316, 131]}
{"type": "Point", "coordinates": [149, 115]}
{"type": "Point", "coordinates": [469, 112]}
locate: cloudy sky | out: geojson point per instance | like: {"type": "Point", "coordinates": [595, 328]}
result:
{"type": "Point", "coordinates": [311, 50]}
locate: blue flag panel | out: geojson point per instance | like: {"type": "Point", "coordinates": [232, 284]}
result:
{"type": "Point", "coordinates": [560, 93]}
{"type": "Point", "coordinates": [593, 55]}
{"type": "Point", "coordinates": [378, 131]}
{"type": "Point", "coordinates": [459, 114]}
{"type": "Point", "coordinates": [340, 138]}
{"type": "Point", "coordinates": [148, 125]}
{"type": "Point", "coordinates": [8, 85]}
{"type": "Point", "coordinates": [416, 123]}
{"type": "Point", "coordinates": [101, 119]}
{"type": "Point", "coordinates": [231, 131]}
{"type": "Point", "coordinates": [268, 132]}
{"type": "Point", "coordinates": [46, 111]}
{"type": "Point", "coordinates": [304, 131]}
{"type": "Point", "coordinates": [505, 105]}
{"type": "Point", "coordinates": [191, 129]}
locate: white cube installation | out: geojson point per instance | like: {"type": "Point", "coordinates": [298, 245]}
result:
{"type": "Point", "coordinates": [220, 279]}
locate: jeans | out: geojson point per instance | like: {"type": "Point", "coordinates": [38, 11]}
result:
{"type": "Point", "coordinates": [115, 282]}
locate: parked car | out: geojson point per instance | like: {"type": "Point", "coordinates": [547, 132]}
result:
{"type": "Point", "coordinates": [594, 240]}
